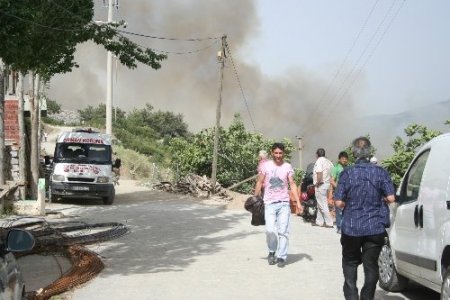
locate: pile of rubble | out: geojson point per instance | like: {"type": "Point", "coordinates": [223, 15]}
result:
{"type": "Point", "coordinates": [194, 185]}
{"type": "Point", "coordinates": [67, 116]}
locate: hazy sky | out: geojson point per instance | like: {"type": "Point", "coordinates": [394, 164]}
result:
{"type": "Point", "coordinates": [304, 66]}
{"type": "Point", "coordinates": [389, 54]}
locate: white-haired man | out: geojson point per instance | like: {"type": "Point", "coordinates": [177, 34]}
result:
{"type": "Point", "coordinates": [364, 190]}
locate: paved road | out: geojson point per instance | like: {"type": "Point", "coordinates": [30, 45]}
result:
{"type": "Point", "coordinates": [181, 248]}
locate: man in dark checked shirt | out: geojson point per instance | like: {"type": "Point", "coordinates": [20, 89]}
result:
{"type": "Point", "coordinates": [364, 191]}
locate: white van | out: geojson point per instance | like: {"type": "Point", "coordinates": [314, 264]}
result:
{"type": "Point", "coordinates": [82, 166]}
{"type": "Point", "coordinates": [419, 236]}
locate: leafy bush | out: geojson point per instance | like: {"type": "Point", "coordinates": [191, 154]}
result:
{"type": "Point", "coordinates": [142, 166]}
{"type": "Point", "coordinates": [398, 163]}
{"type": "Point", "coordinates": [51, 121]}
{"type": "Point", "coordinates": [53, 107]}
{"type": "Point", "coordinates": [237, 154]}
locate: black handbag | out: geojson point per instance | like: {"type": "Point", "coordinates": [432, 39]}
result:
{"type": "Point", "coordinates": [255, 205]}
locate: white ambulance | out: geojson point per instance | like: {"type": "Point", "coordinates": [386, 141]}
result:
{"type": "Point", "coordinates": [82, 166]}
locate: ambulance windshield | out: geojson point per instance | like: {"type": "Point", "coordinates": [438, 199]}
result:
{"type": "Point", "coordinates": [82, 153]}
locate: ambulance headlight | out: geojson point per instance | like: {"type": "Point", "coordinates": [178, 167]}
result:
{"type": "Point", "coordinates": [58, 177]}
{"type": "Point", "coordinates": [103, 179]}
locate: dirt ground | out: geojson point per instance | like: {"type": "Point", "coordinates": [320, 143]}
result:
{"type": "Point", "coordinates": [238, 200]}
{"type": "Point", "coordinates": [48, 147]}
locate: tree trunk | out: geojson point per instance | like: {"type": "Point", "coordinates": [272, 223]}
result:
{"type": "Point", "coordinates": [34, 136]}
{"type": "Point", "coordinates": [22, 136]}
{"type": "Point", "coordinates": [2, 127]}
{"type": "Point", "coordinates": [241, 182]}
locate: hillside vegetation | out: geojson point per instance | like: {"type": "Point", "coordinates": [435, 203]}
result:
{"type": "Point", "coordinates": [157, 145]}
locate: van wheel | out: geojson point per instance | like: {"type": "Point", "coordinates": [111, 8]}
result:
{"type": "Point", "coordinates": [23, 297]}
{"type": "Point", "coordinates": [389, 280]}
{"type": "Point", "coordinates": [108, 200]}
{"type": "Point", "coordinates": [51, 197]}
{"type": "Point", "coordinates": [445, 289]}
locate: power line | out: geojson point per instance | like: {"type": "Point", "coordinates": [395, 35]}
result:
{"type": "Point", "coordinates": [144, 35]}
{"type": "Point", "coordinates": [117, 30]}
{"type": "Point", "coordinates": [187, 52]}
{"type": "Point", "coordinates": [38, 24]}
{"type": "Point", "coordinates": [167, 38]}
{"type": "Point", "coordinates": [363, 53]}
{"type": "Point", "coordinates": [332, 105]}
{"type": "Point", "coordinates": [125, 32]}
{"type": "Point", "coordinates": [305, 124]}
{"type": "Point", "coordinates": [345, 86]}
{"type": "Point", "coordinates": [240, 86]}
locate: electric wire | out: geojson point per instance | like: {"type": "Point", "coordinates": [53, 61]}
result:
{"type": "Point", "coordinates": [187, 52]}
{"type": "Point", "coordinates": [240, 86]}
{"type": "Point", "coordinates": [335, 99]}
{"type": "Point", "coordinates": [167, 38]}
{"type": "Point", "coordinates": [305, 124]}
{"type": "Point", "coordinates": [121, 32]}
{"type": "Point", "coordinates": [38, 24]}
{"type": "Point", "coordinates": [331, 107]}
{"type": "Point", "coordinates": [140, 34]}
{"type": "Point", "coordinates": [366, 48]}
{"type": "Point", "coordinates": [124, 32]}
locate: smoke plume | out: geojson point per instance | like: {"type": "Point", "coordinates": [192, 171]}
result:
{"type": "Point", "coordinates": [294, 104]}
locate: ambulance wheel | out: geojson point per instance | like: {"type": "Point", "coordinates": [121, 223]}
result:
{"type": "Point", "coordinates": [108, 200]}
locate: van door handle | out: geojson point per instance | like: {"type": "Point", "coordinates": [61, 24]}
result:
{"type": "Point", "coordinates": [448, 204]}
{"type": "Point", "coordinates": [416, 215]}
{"type": "Point", "coordinates": [421, 216]}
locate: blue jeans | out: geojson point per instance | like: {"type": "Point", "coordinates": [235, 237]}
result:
{"type": "Point", "coordinates": [277, 217]}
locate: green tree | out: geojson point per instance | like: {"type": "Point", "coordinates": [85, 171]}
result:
{"type": "Point", "coordinates": [42, 36]}
{"type": "Point", "coordinates": [237, 153]}
{"type": "Point", "coordinates": [168, 125]}
{"type": "Point", "coordinates": [53, 107]}
{"type": "Point", "coordinates": [397, 164]}
{"type": "Point", "coordinates": [138, 130]}
{"type": "Point", "coordinates": [95, 116]}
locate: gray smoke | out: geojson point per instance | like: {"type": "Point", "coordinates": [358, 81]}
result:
{"type": "Point", "coordinates": [286, 106]}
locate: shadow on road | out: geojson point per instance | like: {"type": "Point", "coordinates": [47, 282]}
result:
{"type": "Point", "coordinates": [167, 231]}
{"type": "Point", "coordinates": [414, 291]}
{"type": "Point", "coordinates": [296, 257]}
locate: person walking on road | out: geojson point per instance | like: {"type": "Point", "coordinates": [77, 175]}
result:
{"type": "Point", "coordinates": [335, 173]}
{"type": "Point", "coordinates": [277, 176]}
{"type": "Point", "coordinates": [321, 180]}
{"type": "Point", "coordinates": [364, 191]}
{"type": "Point", "coordinates": [262, 159]}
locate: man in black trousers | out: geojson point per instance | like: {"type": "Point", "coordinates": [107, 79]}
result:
{"type": "Point", "coordinates": [364, 191]}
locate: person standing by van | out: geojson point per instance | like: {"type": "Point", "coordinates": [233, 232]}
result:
{"type": "Point", "coordinates": [277, 177]}
{"type": "Point", "coordinates": [321, 180]}
{"type": "Point", "coordinates": [335, 173]}
{"type": "Point", "coordinates": [364, 190]}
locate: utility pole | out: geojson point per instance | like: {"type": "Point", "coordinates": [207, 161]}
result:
{"type": "Point", "coordinates": [109, 77]}
{"type": "Point", "coordinates": [221, 58]}
{"type": "Point", "coordinates": [300, 151]}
